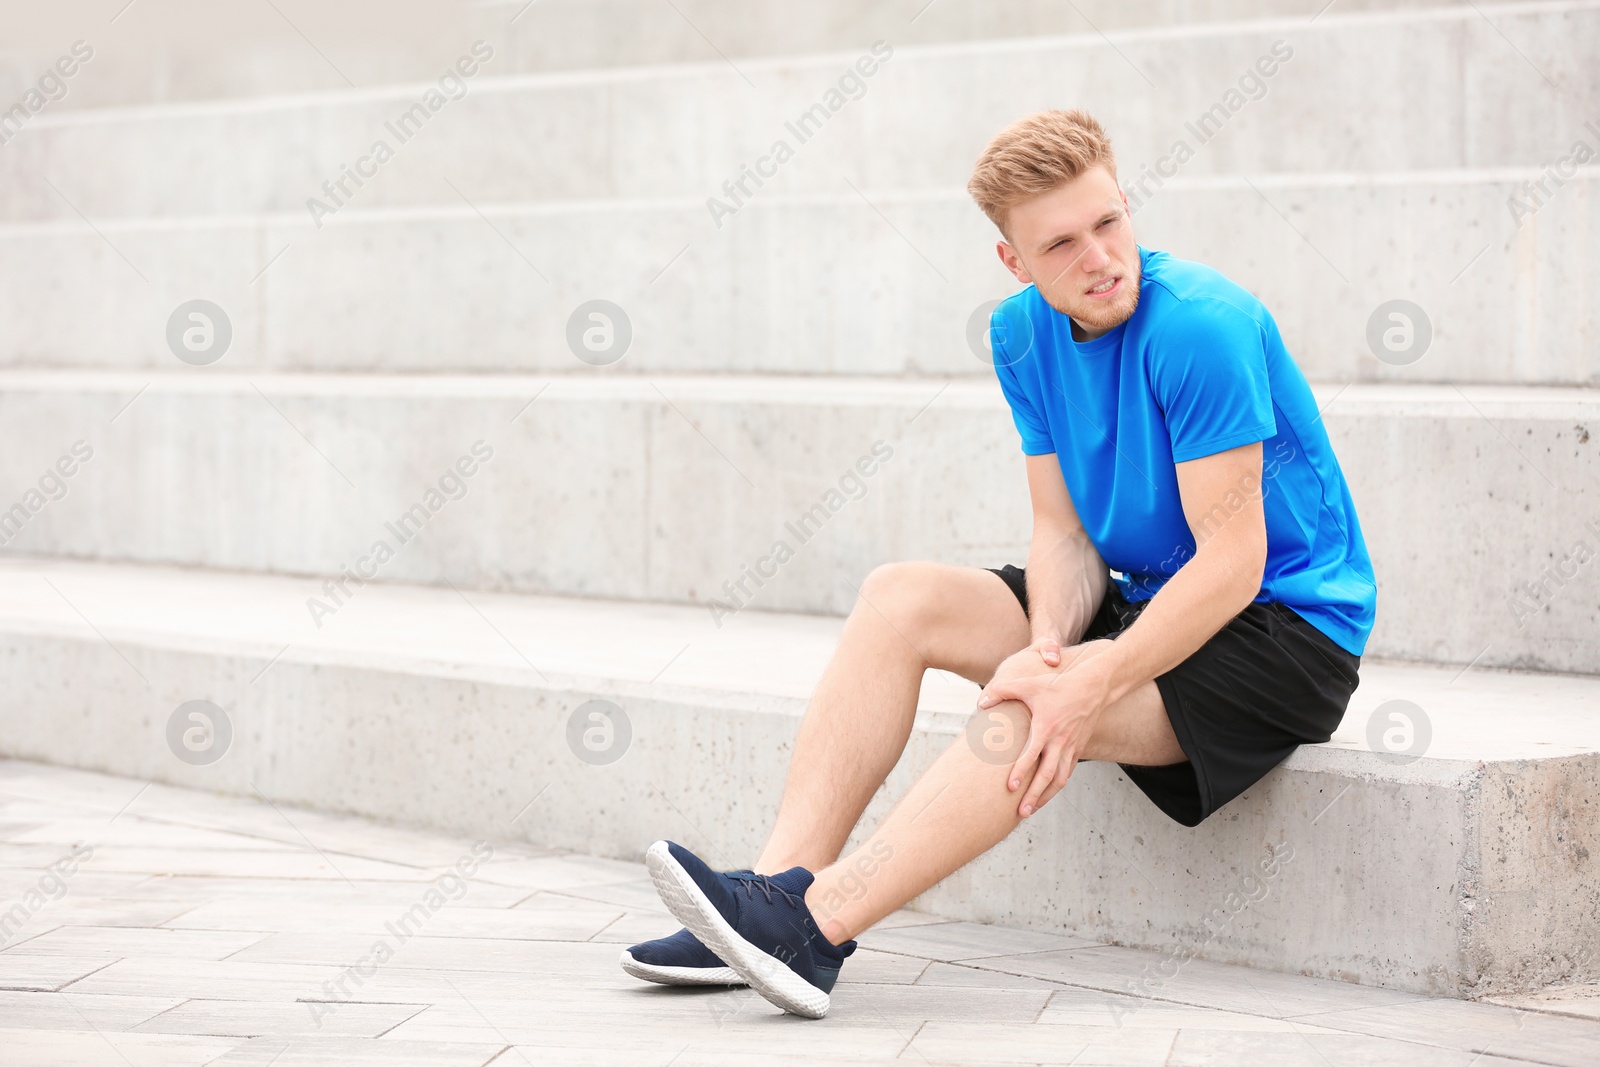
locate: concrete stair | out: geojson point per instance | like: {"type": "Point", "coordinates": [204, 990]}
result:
{"type": "Point", "coordinates": [669, 488]}
{"type": "Point", "coordinates": [493, 287]}
{"type": "Point", "coordinates": [916, 122]}
{"type": "Point", "coordinates": [296, 45]}
{"type": "Point", "coordinates": [1469, 870]}
{"type": "Point", "coordinates": [558, 34]}
{"type": "Point", "coordinates": [470, 251]}
{"type": "Point", "coordinates": [768, 354]}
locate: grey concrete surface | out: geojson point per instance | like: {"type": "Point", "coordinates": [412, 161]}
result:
{"type": "Point", "coordinates": [916, 122]}
{"type": "Point", "coordinates": [185, 50]}
{"type": "Point", "coordinates": [668, 488]}
{"type": "Point", "coordinates": [768, 354]}
{"type": "Point", "coordinates": [847, 283]}
{"type": "Point", "coordinates": [190, 928]}
{"type": "Point", "coordinates": [1456, 860]}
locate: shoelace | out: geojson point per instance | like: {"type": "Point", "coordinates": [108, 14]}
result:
{"type": "Point", "coordinates": [751, 882]}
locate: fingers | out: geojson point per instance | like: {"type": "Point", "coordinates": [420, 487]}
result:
{"type": "Point", "coordinates": [1056, 786]}
{"type": "Point", "coordinates": [1067, 762]}
{"type": "Point", "coordinates": [997, 691]}
{"type": "Point", "coordinates": [1050, 652]}
{"type": "Point", "coordinates": [1021, 769]}
{"type": "Point", "coordinates": [1048, 762]}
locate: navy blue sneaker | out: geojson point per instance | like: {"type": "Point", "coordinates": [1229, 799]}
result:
{"type": "Point", "coordinates": [678, 960]}
{"type": "Point", "coordinates": [758, 924]}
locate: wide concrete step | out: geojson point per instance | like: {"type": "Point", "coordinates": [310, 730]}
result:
{"type": "Point", "coordinates": [875, 282]}
{"type": "Point", "coordinates": [185, 50]}
{"type": "Point", "coordinates": [1460, 860]}
{"type": "Point", "coordinates": [1481, 506]}
{"type": "Point", "coordinates": [584, 33]}
{"type": "Point", "coordinates": [1446, 87]}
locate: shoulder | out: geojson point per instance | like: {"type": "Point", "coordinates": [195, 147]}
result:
{"type": "Point", "coordinates": [1023, 304]}
{"type": "Point", "coordinates": [1188, 301]}
{"type": "Point", "coordinates": [1015, 325]}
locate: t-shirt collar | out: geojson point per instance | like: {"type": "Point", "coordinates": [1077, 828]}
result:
{"type": "Point", "coordinates": [1112, 338]}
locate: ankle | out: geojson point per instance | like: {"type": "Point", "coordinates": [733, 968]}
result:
{"type": "Point", "coordinates": [772, 863]}
{"type": "Point", "coordinates": [829, 927]}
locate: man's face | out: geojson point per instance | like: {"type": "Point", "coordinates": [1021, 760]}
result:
{"type": "Point", "coordinates": [1076, 244]}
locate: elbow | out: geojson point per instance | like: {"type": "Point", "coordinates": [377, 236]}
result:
{"type": "Point", "coordinates": [1251, 570]}
{"type": "Point", "coordinates": [1240, 566]}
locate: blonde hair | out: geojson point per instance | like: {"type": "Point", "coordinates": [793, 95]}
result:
{"type": "Point", "coordinates": [1034, 155]}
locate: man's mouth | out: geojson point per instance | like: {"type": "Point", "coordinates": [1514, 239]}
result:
{"type": "Point", "coordinates": [1105, 288]}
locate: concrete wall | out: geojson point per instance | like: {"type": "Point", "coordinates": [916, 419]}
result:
{"type": "Point", "coordinates": [918, 122]}
{"type": "Point", "coordinates": [666, 489]}
{"type": "Point", "coordinates": [1447, 877]}
{"type": "Point", "coordinates": [194, 50]}
{"type": "Point", "coordinates": [826, 286]}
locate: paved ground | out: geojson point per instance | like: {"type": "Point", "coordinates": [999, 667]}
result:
{"type": "Point", "coordinates": [149, 925]}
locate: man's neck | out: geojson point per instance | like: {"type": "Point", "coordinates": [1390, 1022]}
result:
{"type": "Point", "coordinates": [1082, 333]}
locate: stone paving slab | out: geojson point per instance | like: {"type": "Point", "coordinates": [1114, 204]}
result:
{"type": "Point", "coordinates": [119, 942]}
{"type": "Point", "coordinates": [540, 918]}
{"type": "Point", "coordinates": [104, 1048]}
{"type": "Point", "coordinates": [353, 1052]}
{"type": "Point", "coordinates": [188, 892]}
{"type": "Point", "coordinates": [255, 964]}
{"type": "Point", "coordinates": [245, 1018]}
{"type": "Point", "coordinates": [81, 1011]}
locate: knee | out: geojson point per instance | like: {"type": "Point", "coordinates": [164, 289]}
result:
{"type": "Point", "coordinates": [1087, 650]}
{"type": "Point", "coordinates": [902, 595]}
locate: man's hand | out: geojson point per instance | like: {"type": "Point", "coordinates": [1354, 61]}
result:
{"type": "Point", "coordinates": [1024, 663]}
{"type": "Point", "coordinates": [1044, 648]}
{"type": "Point", "coordinates": [1064, 703]}
{"type": "Point", "coordinates": [1049, 650]}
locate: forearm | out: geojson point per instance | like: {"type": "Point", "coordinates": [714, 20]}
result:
{"type": "Point", "coordinates": [1219, 582]}
{"type": "Point", "coordinates": [1066, 582]}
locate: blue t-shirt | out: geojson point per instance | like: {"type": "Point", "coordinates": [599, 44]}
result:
{"type": "Point", "coordinates": [1199, 368]}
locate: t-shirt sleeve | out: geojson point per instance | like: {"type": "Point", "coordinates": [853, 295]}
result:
{"type": "Point", "coordinates": [1020, 389]}
{"type": "Point", "coordinates": [1208, 370]}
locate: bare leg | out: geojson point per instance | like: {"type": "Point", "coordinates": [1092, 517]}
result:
{"type": "Point", "coordinates": [960, 809]}
{"type": "Point", "coordinates": [909, 617]}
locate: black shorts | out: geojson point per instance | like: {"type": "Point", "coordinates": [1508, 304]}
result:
{"type": "Point", "coordinates": [1264, 684]}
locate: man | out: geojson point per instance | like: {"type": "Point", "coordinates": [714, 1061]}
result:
{"type": "Point", "coordinates": [1169, 437]}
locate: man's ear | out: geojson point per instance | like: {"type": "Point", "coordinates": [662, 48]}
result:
{"type": "Point", "coordinates": [1013, 262]}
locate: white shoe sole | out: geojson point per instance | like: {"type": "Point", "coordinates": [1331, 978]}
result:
{"type": "Point", "coordinates": [708, 976]}
{"type": "Point", "coordinates": [766, 975]}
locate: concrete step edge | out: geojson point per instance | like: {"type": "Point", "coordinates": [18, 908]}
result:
{"type": "Point", "coordinates": [255, 616]}
{"type": "Point", "coordinates": [768, 201]}
{"type": "Point", "coordinates": [1439, 876]}
{"type": "Point", "coordinates": [1452, 12]}
{"type": "Point", "coordinates": [978, 390]}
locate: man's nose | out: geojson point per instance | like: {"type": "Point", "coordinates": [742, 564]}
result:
{"type": "Point", "coordinates": [1095, 258]}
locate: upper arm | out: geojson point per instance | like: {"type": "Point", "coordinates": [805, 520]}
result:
{"type": "Point", "coordinates": [1221, 495]}
{"type": "Point", "coordinates": [1063, 560]}
{"type": "Point", "coordinates": [1214, 389]}
{"type": "Point", "coordinates": [1052, 504]}
{"type": "Point", "coordinates": [1209, 374]}
{"type": "Point", "coordinates": [1021, 389]}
